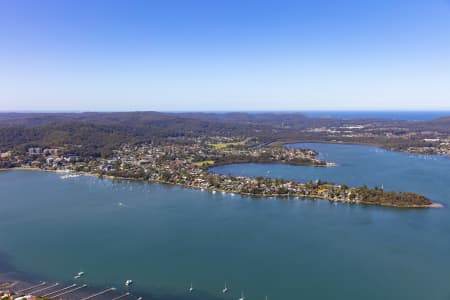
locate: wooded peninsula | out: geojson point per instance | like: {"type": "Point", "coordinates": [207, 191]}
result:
{"type": "Point", "coordinates": [179, 149]}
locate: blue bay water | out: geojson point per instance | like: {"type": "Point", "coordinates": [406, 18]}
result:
{"type": "Point", "coordinates": [164, 237]}
{"type": "Point", "coordinates": [362, 165]}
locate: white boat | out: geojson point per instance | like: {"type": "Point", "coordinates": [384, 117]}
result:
{"type": "Point", "coordinates": [191, 288]}
{"type": "Point", "coordinates": [70, 176]}
{"type": "Point", "coordinates": [242, 296]}
{"type": "Point", "coordinates": [79, 274]}
{"type": "Point", "coordinates": [128, 282]}
{"type": "Point", "coordinates": [213, 192]}
{"type": "Point", "coordinates": [225, 289]}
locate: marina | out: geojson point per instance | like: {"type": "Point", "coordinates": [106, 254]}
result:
{"type": "Point", "coordinates": [166, 232]}
{"type": "Point", "coordinates": [57, 292]}
{"type": "Point", "coordinates": [224, 150]}
{"type": "Point", "coordinates": [67, 291]}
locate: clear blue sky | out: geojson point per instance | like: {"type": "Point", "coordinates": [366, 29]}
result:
{"type": "Point", "coordinates": [224, 55]}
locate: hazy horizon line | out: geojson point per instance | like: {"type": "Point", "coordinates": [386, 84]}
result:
{"type": "Point", "coordinates": [442, 110]}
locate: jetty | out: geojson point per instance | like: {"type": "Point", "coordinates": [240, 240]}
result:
{"type": "Point", "coordinates": [111, 289]}
{"type": "Point", "coordinates": [68, 292]}
{"type": "Point", "coordinates": [58, 291]}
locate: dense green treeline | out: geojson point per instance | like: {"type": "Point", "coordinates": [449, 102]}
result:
{"type": "Point", "coordinates": [97, 134]}
{"type": "Point", "coordinates": [378, 196]}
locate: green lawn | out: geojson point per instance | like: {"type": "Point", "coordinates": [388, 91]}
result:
{"type": "Point", "coordinates": [226, 145]}
{"type": "Point", "coordinates": [203, 163]}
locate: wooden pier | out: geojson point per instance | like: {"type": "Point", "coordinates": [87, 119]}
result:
{"type": "Point", "coordinates": [59, 291]}
{"type": "Point", "coordinates": [69, 291]}
{"type": "Point", "coordinates": [122, 296]}
{"type": "Point", "coordinates": [31, 287]}
{"type": "Point", "coordinates": [100, 293]}
{"type": "Point", "coordinates": [45, 288]}
{"type": "Point", "coordinates": [56, 291]}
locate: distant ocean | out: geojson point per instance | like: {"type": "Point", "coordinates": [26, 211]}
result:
{"type": "Point", "coordinates": [389, 115]}
{"type": "Point", "coordinates": [393, 115]}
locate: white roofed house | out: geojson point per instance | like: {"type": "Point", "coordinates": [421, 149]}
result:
{"type": "Point", "coordinates": [34, 150]}
{"type": "Point", "coordinates": [72, 158]}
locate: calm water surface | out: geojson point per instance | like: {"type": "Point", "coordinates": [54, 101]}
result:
{"type": "Point", "coordinates": [164, 237]}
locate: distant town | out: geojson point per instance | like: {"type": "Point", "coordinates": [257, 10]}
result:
{"type": "Point", "coordinates": [395, 137]}
{"type": "Point", "coordinates": [181, 148]}
{"type": "Point", "coordinates": [187, 162]}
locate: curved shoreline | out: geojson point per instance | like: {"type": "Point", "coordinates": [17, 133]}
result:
{"type": "Point", "coordinates": [295, 196]}
{"type": "Point", "coordinates": [380, 146]}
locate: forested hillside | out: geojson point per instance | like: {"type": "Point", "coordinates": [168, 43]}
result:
{"type": "Point", "coordinates": [96, 134]}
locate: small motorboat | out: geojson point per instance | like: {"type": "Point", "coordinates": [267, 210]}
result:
{"type": "Point", "coordinates": [225, 289]}
{"type": "Point", "coordinates": [128, 282]}
{"type": "Point", "coordinates": [242, 296]}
